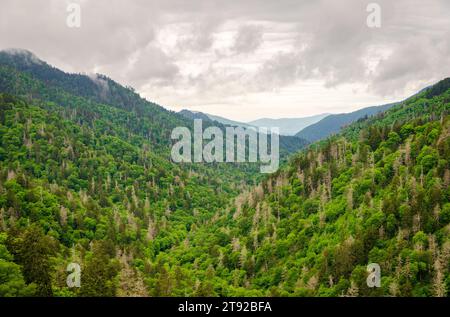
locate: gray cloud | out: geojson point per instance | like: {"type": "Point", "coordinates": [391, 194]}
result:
{"type": "Point", "coordinates": [279, 71]}
{"type": "Point", "coordinates": [248, 39]}
{"type": "Point", "coordinates": [152, 64]}
{"type": "Point", "coordinates": [334, 44]}
{"type": "Point", "coordinates": [203, 51]}
{"type": "Point", "coordinates": [198, 36]}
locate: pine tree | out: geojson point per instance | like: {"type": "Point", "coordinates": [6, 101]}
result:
{"type": "Point", "coordinates": [33, 250]}
{"type": "Point", "coordinates": [99, 271]}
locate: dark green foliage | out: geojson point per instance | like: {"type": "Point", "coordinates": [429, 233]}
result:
{"type": "Point", "coordinates": [32, 250]}
{"type": "Point", "coordinates": [99, 271]}
{"type": "Point", "coordinates": [11, 279]}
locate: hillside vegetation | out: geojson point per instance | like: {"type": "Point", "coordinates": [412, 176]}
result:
{"type": "Point", "coordinates": [377, 193]}
{"type": "Point", "coordinates": [86, 177]}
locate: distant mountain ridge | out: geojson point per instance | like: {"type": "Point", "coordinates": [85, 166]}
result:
{"type": "Point", "coordinates": [333, 123]}
{"type": "Point", "coordinates": [194, 115]}
{"type": "Point", "coordinates": [288, 143]}
{"type": "Point", "coordinates": [206, 116]}
{"type": "Point", "coordinates": [289, 126]}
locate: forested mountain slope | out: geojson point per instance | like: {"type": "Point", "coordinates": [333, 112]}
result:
{"type": "Point", "coordinates": [84, 186]}
{"type": "Point", "coordinates": [377, 193]}
{"type": "Point", "coordinates": [87, 181]}
{"type": "Point", "coordinates": [87, 178]}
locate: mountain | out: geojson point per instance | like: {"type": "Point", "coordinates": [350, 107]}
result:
{"type": "Point", "coordinates": [87, 181]}
{"type": "Point", "coordinates": [335, 122]}
{"type": "Point", "coordinates": [22, 73]}
{"type": "Point", "coordinates": [228, 121]}
{"type": "Point", "coordinates": [288, 126]}
{"type": "Point", "coordinates": [194, 115]}
{"type": "Point", "coordinates": [210, 117]}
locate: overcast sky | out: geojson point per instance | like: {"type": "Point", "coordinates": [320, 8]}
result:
{"type": "Point", "coordinates": [243, 59]}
